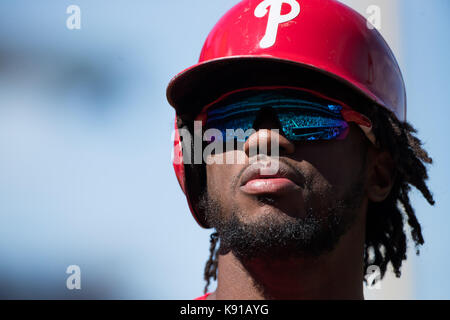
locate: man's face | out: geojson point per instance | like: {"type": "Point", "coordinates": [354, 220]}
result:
{"type": "Point", "coordinates": [303, 212]}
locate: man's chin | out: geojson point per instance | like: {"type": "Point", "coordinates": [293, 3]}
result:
{"type": "Point", "coordinates": [264, 216]}
{"type": "Point", "coordinates": [276, 237]}
{"type": "Point", "coordinates": [261, 207]}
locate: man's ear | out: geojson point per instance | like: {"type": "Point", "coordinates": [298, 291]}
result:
{"type": "Point", "coordinates": [381, 176]}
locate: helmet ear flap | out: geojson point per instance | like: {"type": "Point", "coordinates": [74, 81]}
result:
{"type": "Point", "coordinates": [191, 177]}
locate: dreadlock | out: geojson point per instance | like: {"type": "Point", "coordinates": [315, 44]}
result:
{"type": "Point", "coordinates": [386, 238]}
{"type": "Point", "coordinates": [385, 234]}
{"type": "Point", "coordinates": [211, 264]}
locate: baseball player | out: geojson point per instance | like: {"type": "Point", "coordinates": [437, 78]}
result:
{"type": "Point", "coordinates": [312, 78]}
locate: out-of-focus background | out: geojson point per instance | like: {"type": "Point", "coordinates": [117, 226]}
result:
{"type": "Point", "coordinates": [85, 146]}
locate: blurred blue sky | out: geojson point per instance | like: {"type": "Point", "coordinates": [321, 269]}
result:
{"type": "Point", "coordinates": [85, 129]}
{"type": "Point", "coordinates": [426, 68]}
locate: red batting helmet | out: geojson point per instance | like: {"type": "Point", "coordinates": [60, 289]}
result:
{"type": "Point", "coordinates": [288, 42]}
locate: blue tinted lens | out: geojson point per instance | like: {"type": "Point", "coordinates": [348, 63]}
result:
{"type": "Point", "coordinates": [232, 117]}
{"type": "Point", "coordinates": [301, 119]}
{"type": "Point", "coordinates": [310, 124]}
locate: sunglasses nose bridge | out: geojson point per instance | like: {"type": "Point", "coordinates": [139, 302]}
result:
{"type": "Point", "coordinates": [267, 118]}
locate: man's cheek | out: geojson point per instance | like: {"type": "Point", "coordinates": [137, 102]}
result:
{"type": "Point", "coordinates": [319, 192]}
{"type": "Point", "coordinates": [218, 184]}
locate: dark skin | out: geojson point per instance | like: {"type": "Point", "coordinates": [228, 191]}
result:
{"type": "Point", "coordinates": [334, 275]}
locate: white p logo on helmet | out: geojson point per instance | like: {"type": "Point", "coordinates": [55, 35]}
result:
{"type": "Point", "coordinates": [275, 18]}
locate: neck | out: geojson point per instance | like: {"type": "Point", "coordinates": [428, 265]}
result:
{"type": "Point", "coordinates": [335, 275]}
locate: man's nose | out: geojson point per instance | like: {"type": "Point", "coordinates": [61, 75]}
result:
{"type": "Point", "coordinates": [268, 137]}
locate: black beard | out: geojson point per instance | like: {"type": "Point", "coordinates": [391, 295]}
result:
{"type": "Point", "coordinates": [275, 238]}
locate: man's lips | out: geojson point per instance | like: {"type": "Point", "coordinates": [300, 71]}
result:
{"type": "Point", "coordinates": [284, 181]}
{"type": "Point", "coordinates": [269, 186]}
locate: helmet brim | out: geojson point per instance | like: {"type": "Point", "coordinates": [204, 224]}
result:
{"type": "Point", "coordinates": [195, 87]}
